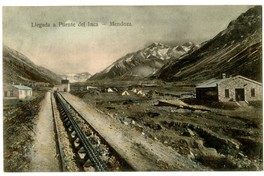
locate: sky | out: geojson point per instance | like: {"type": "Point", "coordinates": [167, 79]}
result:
{"type": "Point", "coordinates": [91, 49]}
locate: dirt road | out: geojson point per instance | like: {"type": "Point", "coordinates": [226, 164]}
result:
{"type": "Point", "coordinates": [44, 148]}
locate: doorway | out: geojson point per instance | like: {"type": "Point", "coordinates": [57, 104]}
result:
{"type": "Point", "coordinates": [240, 94]}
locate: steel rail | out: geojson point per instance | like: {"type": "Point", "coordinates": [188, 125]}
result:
{"type": "Point", "coordinates": [58, 140]}
{"type": "Point", "coordinates": [99, 164]}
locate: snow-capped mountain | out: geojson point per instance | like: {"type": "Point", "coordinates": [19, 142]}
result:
{"type": "Point", "coordinates": [77, 77]}
{"type": "Point", "coordinates": [144, 62]}
{"type": "Point", "coordinates": [235, 50]}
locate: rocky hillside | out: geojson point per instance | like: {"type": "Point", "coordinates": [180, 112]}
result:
{"type": "Point", "coordinates": [144, 62]}
{"type": "Point", "coordinates": [20, 69]}
{"type": "Point", "coordinates": [77, 77]}
{"type": "Point", "coordinates": [236, 50]}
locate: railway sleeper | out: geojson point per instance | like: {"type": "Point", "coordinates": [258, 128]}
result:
{"type": "Point", "coordinates": [65, 119]}
{"type": "Point", "coordinates": [63, 113]}
{"type": "Point", "coordinates": [70, 128]}
{"type": "Point", "coordinates": [82, 153]}
{"type": "Point", "coordinates": [89, 153]}
{"type": "Point", "coordinates": [86, 157]}
{"type": "Point", "coordinates": [77, 143]}
{"type": "Point", "coordinates": [88, 166]}
{"type": "Point", "coordinates": [92, 154]}
{"type": "Point", "coordinates": [67, 123]}
{"type": "Point", "coordinates": [73, 135]}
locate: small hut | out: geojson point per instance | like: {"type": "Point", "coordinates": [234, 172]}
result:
{"type": "Point", "coordinates": [16, 91]}
{"type": "Point", "coordinates": [236, 88]}
{"type": "Point", "coordinates": [125, 93]}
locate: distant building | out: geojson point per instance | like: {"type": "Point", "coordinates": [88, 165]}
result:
{"type": "Point", "coordinates": [109, 90]}
{"type": "Point", "coordinates": [134, 90]}
{"type": "Point", "coordinates": [16, 92]}
{"type": "Point", "coordinates": [91, 87]}
{"type": "Point", "coordinates": [141, 93]}
{"type": "Point", "coordinates": [125, 93]}
{"type": "Point", "coordinates": [65, 85]}
{"type": "Point", "coordinates": [236, 88]}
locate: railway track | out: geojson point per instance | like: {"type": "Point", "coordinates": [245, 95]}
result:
{"type": "Point", "coordinates": [91, 151]}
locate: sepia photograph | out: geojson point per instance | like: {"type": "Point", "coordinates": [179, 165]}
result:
{"type": "Point", "coordinates": [132, 88]}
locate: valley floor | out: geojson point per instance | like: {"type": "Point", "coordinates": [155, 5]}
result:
{"type": "Point", "coordinates": [137, 148]}
{"type": "Point", "coordinates": [217, 136]}
{"type": "Point", "coordinates": [152, 130]}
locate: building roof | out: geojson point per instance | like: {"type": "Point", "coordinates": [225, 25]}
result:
{"type": "Point", "coordinates": [22, 87]}
{"type": "Point", "coordinates": [65, 81]}
{"type": "Point", "coordinates": [210, 83]}
{"type": "Point", "coordinates": [247, 79]}
{"type": "Point", "coordinates": [214, 82]}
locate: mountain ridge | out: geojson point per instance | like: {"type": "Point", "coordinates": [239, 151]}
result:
{"type": "Point", "coordinates": [235, 50]}
{"type": "Point", "coordinates": [77, 77]}
{"type": "Point", "coordinates": [19, 68]}
{"type": "Point", "coordinates": [144, 62]}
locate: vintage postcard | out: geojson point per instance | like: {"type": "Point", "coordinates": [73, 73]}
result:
{"type": "Point", "coordinates": [132, 88]}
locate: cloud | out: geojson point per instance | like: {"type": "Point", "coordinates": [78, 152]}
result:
{"type": "Point", "coordinates": [91, 49]}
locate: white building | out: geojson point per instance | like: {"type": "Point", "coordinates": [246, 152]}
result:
{"type": "Point", "coordinates": [65, 85]}
{"type": "Point", "coordinates": [16, 92]}
{"type": "Point", "coordinates": [236, 88]}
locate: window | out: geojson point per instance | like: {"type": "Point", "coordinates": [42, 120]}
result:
{"type": "Point", "coordinates": [29, 93]}
{"type": "Point", "coordinates": [11, 93]}
{"type": "Point", "coordinates": [6, 94]}
{"type": "Point", "coordinates": [253, 92]}
{"type": "Point", "coordinates": [226, 93]}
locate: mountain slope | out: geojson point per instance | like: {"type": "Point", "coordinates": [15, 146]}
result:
{"type": "Point", "coordinates": [19, 69]}
{"type": "Point", "coordinates": [236, 50]}
{"type": "Point", "coordinates": [144, 62]}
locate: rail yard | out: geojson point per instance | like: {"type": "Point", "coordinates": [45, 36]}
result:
{"type": "Point", "coordinates": [131, 132]}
